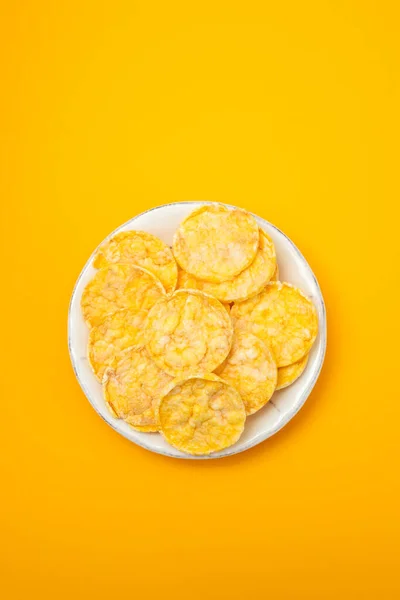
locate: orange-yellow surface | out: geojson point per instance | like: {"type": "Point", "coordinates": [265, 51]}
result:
{"type": "Point", "coordinates": [287, 109]}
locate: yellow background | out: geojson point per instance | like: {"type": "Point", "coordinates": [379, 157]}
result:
{"type": "Point", "coordinates": [289, 109]}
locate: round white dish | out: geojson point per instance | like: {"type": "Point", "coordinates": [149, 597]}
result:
{"type": "Point", "coordinates": [162, 222]}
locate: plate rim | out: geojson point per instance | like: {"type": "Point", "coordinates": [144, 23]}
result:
{"type": "Point", "coordinates": [288, 416]}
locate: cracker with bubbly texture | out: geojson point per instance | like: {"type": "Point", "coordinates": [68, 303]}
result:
{"type": "Point", "coordinates": [282, 316]}
{"type": "Point", "coordinates": [288, 375]}
{"type": "Point", "coordinates": [215, 244]}
{"type": "Point", "coordinates": [117, 286]}
{"type": "Point", "coordinates": [118, 332]}
{"type": "Point", "coordinates": [245, 285]}
{"type": "Point", "coordinates": [250, 368]}
{"type": "Point", "coordinates": [189, 330]}
{"type": "Point", "coordinates": [133, 389]}
{"type": "Point", "coordinates": [142, 249]}
{"type": "Point", "coordinates": [201, 414]}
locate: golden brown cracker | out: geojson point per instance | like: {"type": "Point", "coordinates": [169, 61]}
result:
{"type": "Point", "coordinates": [245, 285]}
{"type": "Point", "coordinates": [142, 249]}
{"type": "Point", "coordinates": [117, 286]}
{"type": "Point", "coordinates": [189, 330]}
{"type": "Point", "coordinates": [133, 389]}
{"type": "Point", "coordinates": [215, 244]}
{"type": "Point", "coordinates": [282, 316]}
{"type": "Point", "coordinates": [118, 332]}
{"type": "Point", "coordinates": [250, 367]}
{"type": "Point", "coordinates": [201, 414]}
{"type": "Point", "coordinates": [288, 375]}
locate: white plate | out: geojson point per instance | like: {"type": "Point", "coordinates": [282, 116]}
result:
{"type": "Point", "coordinates": [162, 222]}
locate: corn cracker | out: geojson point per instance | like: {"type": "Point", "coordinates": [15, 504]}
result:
{"type": "Point", "coordinates": [118, 286]}
{"type": "Point", "coordinates": [201, 414]}
{"type": "Point", "coordinates": [133, 389]}
{"type": "Point", "coordinates": [142, 249]}
{"type": "Point", "coordinates": [215, 244]}
{"type": "Point", "coordinates": [282, 316]}
{"type": "Point", "coordinates": [250, 368]}
{"type": "Point", "coordinates": [245, 285]}
{"type": "Point", "coordinates": [288, 375]}
{"type": "Point", "coordinates": [189, 330]}
{"type": "Point", "coordinates": [118, 332]}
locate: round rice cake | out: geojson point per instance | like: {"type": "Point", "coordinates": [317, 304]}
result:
{"type": "Point", "coordinates": [142, 249]}
{"type": "Point", "coordinates": [215, 244]}
{"type": "Point", "coordinates": [117, 286]}
{"type": "Point", "coordinates": [189, 330]}
{"type": "Point", "coordinates": [118, 332]}
{"type": "Point", "coordinates": [282, 316]}
{"type": "Point", "coordinates": [288, 375]}
{"type": "Point", "coordinates": [133, 389]}
{"type": "Point", "coordinates": [201, 414]}
{"type": "Point", "coordinates": [250, 367]}
{"type": "Point", "coordinates": [245, 285]}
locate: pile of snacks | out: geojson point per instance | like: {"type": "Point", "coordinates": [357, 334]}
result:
{"type": "Point", "coordinates": [190, 340]}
